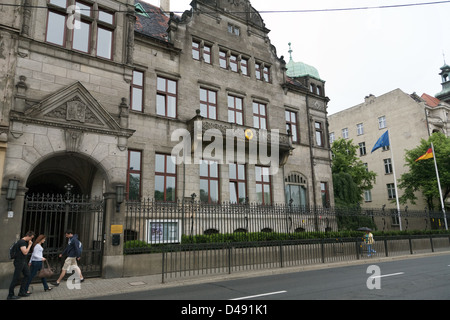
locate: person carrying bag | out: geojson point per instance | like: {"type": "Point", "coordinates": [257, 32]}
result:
{"type": "Point", "coordinates": [36, 264]}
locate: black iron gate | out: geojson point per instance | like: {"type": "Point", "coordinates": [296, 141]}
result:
{"type": "Point", "coordinates": [52, 215]}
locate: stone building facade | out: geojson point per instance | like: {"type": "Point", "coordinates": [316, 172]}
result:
{"type": "Point", "coordinates": [94, 94]}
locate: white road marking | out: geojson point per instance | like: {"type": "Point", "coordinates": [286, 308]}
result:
{"type": "Point", "coordinates": [388, 275]}
{"type": "Point", "coordinates": [260, 295]}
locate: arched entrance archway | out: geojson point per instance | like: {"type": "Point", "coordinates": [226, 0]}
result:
{"type": "Point", "coordinates": [65, 192]}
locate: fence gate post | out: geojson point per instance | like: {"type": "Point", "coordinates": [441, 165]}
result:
{"type": "Point", "coordinates": [162, 264]}
{"type": "Point", "coordinates": [357, 248]}
{"type": "Point", "coordinates": [386, 247]}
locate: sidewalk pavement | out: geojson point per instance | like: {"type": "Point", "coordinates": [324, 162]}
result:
{"type": "Point", "coordinates": [100, 287]}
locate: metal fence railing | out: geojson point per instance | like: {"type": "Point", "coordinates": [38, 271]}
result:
{"type": "Point", "coordinates": [196, 238]}
{"type": "Point", "coordinates": [226, 258]}
{"type": "Point", "coordinates": [149, 222]}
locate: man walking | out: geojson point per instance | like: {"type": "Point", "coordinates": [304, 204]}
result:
{"type": "Point", "coordinates": [73, 254]}
{"type": "Point", "coordinates": [20, 266]}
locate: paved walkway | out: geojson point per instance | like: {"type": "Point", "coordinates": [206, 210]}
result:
{"type": "Point", "coordinates": [99, 287]}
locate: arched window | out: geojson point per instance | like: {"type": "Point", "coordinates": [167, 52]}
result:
{"type": "Point", "coordinates": [296, 189]}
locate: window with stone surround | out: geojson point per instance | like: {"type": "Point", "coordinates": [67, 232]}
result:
{"type": "Point", "coordinates": [238, 183]}
{"type": "Point", "coordinates": [166, 97]}
{"type": "Point", "coordinates": [80, 26]}
{"type": "Point", "coordinates": [137, 91]}
{"type": "Point", "coordinates": [235, 112]}
{"type": "Point", "coordinates": [259, 115]}
{"type": "Point", "coordinates": [209, 181]}
{"type": "Point", "coordinates": [165, 177]}
{"type": "Point", "coordinates": [134, 175]}
{"type": "Point", "coordinates": [291, 124]}
{"type": "Point", "coordinates": [263, 185]}
{"type": "Point", "coordinates": [208, 103]}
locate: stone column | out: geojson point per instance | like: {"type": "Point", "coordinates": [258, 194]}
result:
{"type": "Point", "coordinates": [113, 258]}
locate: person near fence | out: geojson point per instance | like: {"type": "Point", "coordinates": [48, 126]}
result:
{"type": "Point", "coordinates": [36, 261]}
{"type": "Point", "coordinates": [21, 266]}
{"type": "Point", "coordinates": [369, 241]}
{"type": "Point", "coordinates": [73, 254]}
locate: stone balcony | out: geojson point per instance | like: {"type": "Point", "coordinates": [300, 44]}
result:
{"type": "Point", "coordinates": [207, 131]}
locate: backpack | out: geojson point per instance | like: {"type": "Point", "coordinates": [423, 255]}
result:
{"type": "Point", "coordinates": [80, 247]}
{"type": "Point", "coordinates": [13, 250]}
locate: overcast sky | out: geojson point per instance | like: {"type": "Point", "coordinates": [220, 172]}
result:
{"type": "Point", "coordinates": [360, 52]}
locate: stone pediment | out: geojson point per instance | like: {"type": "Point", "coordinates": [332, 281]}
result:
{"type": "Point", "coordinates": [73, 107]}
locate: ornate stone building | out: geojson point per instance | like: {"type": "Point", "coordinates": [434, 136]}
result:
{"type": "Point", "coordinates": [97, 94]}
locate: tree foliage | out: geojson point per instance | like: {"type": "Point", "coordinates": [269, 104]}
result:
{"type": "Point", "coordinates": [350, 176]}
{"type": "Point", "coordinates": [422, 174]}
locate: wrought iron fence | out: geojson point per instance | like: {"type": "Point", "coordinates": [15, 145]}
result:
{"type": "Point", "coordinates": [149, 222]}
{"type": "Point", "coordinates": [187, 260]}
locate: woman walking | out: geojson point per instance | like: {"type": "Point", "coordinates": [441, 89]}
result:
{"type": "Point", "coordinates": [37, 260]}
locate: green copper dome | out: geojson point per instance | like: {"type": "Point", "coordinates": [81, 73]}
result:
{"type": "Point", "coordinates": [300, 69]}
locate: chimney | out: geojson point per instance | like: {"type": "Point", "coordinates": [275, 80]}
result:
{"type": "Point", "coordinates": [165, 5]}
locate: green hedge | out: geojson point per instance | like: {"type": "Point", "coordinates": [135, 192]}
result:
{"type": "Point", "coordinates": [138, 245]}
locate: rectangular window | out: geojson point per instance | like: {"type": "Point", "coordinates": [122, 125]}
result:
{"type": "Point", "coordinates": [207, 54]}
{"type": "Point", "coordinates": [258, 71]}
{"type": "Point", "coordinates": [324, 192]}
{"type": "Point", "coordinates": [359, 129]}
{"type": "Point", "coordinates": [166, 98]}
{"type": "Point", "coordinates": [235, 112]}
{"type": "Point", "coordinates": [332, 138]}
{"type": "Point", "coordinates": [137, 91]}
{"type": "Point", "coordinates": [391, 190]}
{"type": "Point", "coordinates": [134, 175]}
{"type": "Point", "coordinates": [362, 149]}
{"type": "Point", "coordinates": [208, 104]}
{"type": "Point", "coordinates": [234, 30]}
{"type": "Point", "coordinates": [367, 195]}
{"type": "Point", "coordinates": [244, 66]}
{"type": "Point", "coordinates": [266, 74]}
{"type": "Point", "coordinates": [291, 124]}
{"type": "Point", "coordinates": [382, 122]}
{"type": "Point", "coordinates": [259, 116]}
{"type": "Point", "coordinates": [56, 25]}
{"type": "Point", "coordinates": [81, 37]}
{"type": "Point", "coordinates": [195, 50]}
{"type": "Point", "coordinates": [387, 166]}
{"type": "Point", "coordinates": [104, 43]}
{"type": "Point", "coordinates": [105, 34]}
{"type": "Point", "coordinates": [223, 59]}
{"type": "Point", "coordinates": [263, 185]}
{"type": "Point", "coordinates": [209, 181]}
{"type": "Point", "coordinates": [82, 30]}
{"type": "Point", "coordinates": [345, 133]}
{"type": "Point", "coordinates": [319, 134]}
{"type": "Point", "coordinates": [165, 177]}
{"type": "Point", "coordinates": [238, 183]}
{"type": "Point", "coordinates": [81, 27]}
{"type": "Point", "coordinates": [234, 63]}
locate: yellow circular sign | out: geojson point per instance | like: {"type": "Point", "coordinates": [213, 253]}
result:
{"type": "Point", "coordinates": [249, 134]}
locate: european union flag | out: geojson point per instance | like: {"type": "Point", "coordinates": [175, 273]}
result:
{"type": "Point", "coordinates": [382, 142]}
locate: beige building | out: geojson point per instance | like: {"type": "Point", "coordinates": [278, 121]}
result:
{"type": "Point", "coordinates": [409, 118]}
{"type": "Point", "coordinates": [96, 95]}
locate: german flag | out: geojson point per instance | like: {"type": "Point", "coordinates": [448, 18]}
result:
{"type": "Point", "coordinates": [427, 155]}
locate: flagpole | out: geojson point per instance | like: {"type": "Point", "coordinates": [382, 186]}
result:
{"type": "Point", "coordinates": [439, 185]}
{"type": "Point", "coordinates": [395, 185]}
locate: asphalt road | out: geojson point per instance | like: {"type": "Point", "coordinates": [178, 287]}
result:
{"type": "Point", "coordinates": [411, 279]}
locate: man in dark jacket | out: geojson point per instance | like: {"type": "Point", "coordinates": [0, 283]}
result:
{"type": "Point", "coordinates": [73, 253]}
{"type": "Point", "coordinates": [21, 266]}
